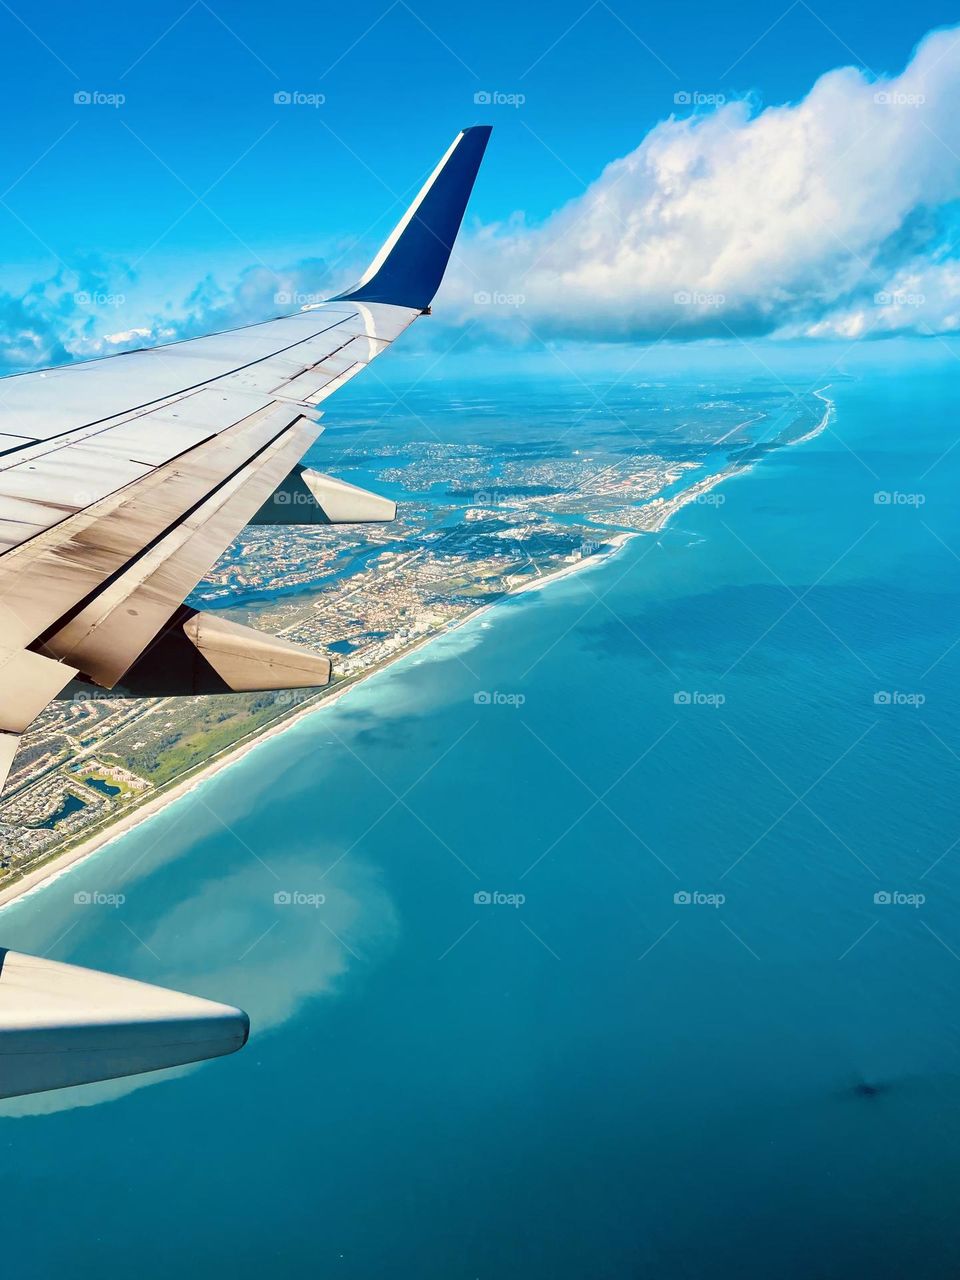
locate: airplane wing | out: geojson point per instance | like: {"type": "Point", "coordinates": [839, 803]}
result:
{"type": "Point", "coordinates": [123, 480]}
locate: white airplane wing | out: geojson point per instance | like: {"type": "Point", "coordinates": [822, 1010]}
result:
{"type": "Point", "coordinates": [123, 480]}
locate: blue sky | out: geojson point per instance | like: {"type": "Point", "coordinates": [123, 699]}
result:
{"type": "Point", "coordinates": [200, 173]}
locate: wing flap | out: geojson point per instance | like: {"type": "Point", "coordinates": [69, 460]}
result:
{"type": "Point", "coordinates": [309, 385]}
{"type": "Point", "coordinates": [107, 636]}
{"type": "Point", "coordinates": [47, 577]}
{"type": "Point", "coordinates": [250, 660]}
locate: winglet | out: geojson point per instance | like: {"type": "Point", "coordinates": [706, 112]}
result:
{"type": "Point", "coordinates": [408, 269]}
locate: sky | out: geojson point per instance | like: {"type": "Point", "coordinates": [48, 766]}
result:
{"type": "Point", "coordinates": [765, 171]}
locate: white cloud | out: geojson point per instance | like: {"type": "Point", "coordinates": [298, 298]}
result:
{"type": "Point", "coordinates": [126, 336]}
{"type": "Point", "coordinates": [788, 219]}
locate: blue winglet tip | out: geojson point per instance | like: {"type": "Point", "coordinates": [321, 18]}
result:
{"type": "Point", "coordinates": [409, 268]}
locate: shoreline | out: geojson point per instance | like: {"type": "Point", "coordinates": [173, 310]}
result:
{"type": "Point", "coordinates": [60, 863]}
{"type": "Point", "coordinates": [46, 874]}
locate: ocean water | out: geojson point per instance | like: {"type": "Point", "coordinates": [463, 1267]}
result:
{"type": "Point", "coordinates": [719, 1035]}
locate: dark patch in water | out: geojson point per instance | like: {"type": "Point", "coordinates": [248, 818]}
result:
{"type": "Point", "coordinates": [867, 1089]}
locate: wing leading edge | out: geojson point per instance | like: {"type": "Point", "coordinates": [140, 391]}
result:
{"type": "Point", "coordinates": [122, 481]}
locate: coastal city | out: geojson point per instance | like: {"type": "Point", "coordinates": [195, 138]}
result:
{"type": "Point", "coordinates": [471, 529]}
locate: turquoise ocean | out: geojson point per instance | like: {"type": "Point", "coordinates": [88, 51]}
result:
{"type": "Point", "coordinates": [638, 951]}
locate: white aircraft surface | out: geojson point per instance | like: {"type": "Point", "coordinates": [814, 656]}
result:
{"type": "Point", "coordinates": [122, 481]}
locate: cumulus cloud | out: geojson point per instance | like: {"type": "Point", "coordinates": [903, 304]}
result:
{"type": "Point", "coordinates": [828, 217]}
{"type": "Point", "coordinates": [62, 316]}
